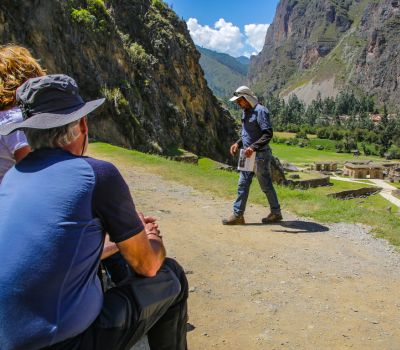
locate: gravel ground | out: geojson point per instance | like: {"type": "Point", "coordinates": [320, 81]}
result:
{"type": "Point", "coordinates": [296, 285]}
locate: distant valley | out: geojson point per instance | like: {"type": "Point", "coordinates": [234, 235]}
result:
{"type": "Point", "coordinates": [223, 72]}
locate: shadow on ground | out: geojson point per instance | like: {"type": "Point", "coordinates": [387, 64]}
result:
{"type": "Point", "coordinates": [295, 227]}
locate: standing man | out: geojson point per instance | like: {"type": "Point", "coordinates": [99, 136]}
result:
{"type": "Point", "coordinates": [256, 135]}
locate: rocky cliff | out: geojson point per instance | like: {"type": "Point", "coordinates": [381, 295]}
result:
{"type": "Point", "coordinates": [136, 53]}
{"type": "Point", "coordinates": [327, 45]}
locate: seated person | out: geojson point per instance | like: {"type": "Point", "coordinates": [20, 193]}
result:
{"type": "Point", "coordinates": [16, 66]}
{"type": "Point", "coordinates": [56, 207]}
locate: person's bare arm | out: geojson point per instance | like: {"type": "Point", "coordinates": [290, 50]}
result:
{"type": "Point", "coordinates": [21, 153]}
{"type": "Point", "coordinates": [144, 253]}
{"type": "Point", "coordinates": [110, 248]}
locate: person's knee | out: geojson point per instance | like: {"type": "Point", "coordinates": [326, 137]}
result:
{"type": "Point", "coordinates": [180, 273]}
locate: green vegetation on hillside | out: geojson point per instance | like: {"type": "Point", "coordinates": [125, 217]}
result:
{"type": "Point", "coordinates": [223, 73]}
{"type": "Point", "coordinates": [94, 17]}
{"type": "Point", "coordinates": [312, 203]}
{"type": "Point", "coordinates": [343, 124]}
{"type": "Point", "coordinates": [231, 62]}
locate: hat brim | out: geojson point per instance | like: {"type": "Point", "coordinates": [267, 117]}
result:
{"type": "Point", "coordinates": [235, 98]}
{"type": "Point", "coordinates": [52, 120]}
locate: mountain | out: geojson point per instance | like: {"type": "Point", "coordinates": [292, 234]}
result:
{"type": "Point", "coordinates": [243, 60]}
{"type": "Point", "coordinates": [223, 72]}
{"type": "Point", "coordinates": [136, 53]}
{"type": "Point", "coordinates": [329, 45]}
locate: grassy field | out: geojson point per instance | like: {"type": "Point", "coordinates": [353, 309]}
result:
{"type": "Point", "coordinates": [297, 155]}
{"type": "Point", "coordinates": [312, 203]}
{"type": "Point", "coordinates": [329, 145]}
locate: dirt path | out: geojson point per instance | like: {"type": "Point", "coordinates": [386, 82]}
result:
{"type": "Point", "coordinates": [298, 285]}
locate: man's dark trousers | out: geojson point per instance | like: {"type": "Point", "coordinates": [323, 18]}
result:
{"type": "Point", "coordinates": [120, 324]}
{"type": "Point", "coordinates": [263, 173]}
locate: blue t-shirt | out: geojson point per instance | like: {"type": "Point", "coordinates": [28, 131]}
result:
{"type": "Point", "coordinates": [54, 211]}
{"type": "Point", "coordinates": [254, 122]}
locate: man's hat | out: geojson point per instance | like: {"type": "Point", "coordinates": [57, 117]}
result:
{"type": "Point", "coordinates": [244, 91]}
{"type": "Point", "coordinates": [49, 102]}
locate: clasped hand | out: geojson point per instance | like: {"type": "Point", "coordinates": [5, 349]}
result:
{"type": "Point", "coordinates": [150, 225]}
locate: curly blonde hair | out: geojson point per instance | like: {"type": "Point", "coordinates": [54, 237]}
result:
{"type": "Point", "coordinates": [16, 66]}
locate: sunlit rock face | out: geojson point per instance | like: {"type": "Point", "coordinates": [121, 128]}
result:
{"type": "Point", "coordinates": [136, 53]}
{"type": "Point", "coordinates": [354, 42]}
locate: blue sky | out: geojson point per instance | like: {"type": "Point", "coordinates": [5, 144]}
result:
{"type": "Point", "coordinates": [234, 27]}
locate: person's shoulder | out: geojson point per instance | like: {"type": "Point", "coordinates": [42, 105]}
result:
{"type": "Point", "coordinates": [261, 108]}
{"type": "Point", "coordinates": [102, 168]}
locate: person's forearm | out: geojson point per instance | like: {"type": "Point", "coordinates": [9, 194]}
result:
{"type": "Point", "coordinates": [263, 140]}
{"type": "Point", "coordinates": [158, 247]}
{"type": "Point", "coordinates": [108, 251]}
{"type": "Point", "coordinates": [239, 142]}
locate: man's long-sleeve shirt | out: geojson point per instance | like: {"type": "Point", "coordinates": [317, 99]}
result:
{"type": "Point", "coordinates": [256, 129]}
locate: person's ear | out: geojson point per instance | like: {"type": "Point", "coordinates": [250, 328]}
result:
{"type": "Point", "coordinates": [83, 126]}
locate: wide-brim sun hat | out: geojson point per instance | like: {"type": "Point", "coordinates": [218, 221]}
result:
{"type": "Point", "coordinates": [245, 92]}
{"type": "Point", "coordinates": [49, 102]}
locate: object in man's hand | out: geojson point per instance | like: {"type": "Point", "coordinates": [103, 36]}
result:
{"type": "Point", "coordinates": [246, 164]}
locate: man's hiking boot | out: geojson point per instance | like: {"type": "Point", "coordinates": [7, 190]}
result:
{"type": "Point", "coordinates": [271, 218]}
{"type": "Point", "coordinates": [234, 220]}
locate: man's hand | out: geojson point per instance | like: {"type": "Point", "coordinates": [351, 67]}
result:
{"type": "Point", "coordinates": [150, 226]}
{"type": "Point", "coordinates": [248, 152]}
{"type": "Point", "coordinates": [234, 148]}
{"type": "Point", "coordinates": [145, 251]}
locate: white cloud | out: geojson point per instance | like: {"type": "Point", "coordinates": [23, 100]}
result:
{"type": "Point", "coordinates": [226, 37]}
{"type": "Point", "coordinates": [256, 35]}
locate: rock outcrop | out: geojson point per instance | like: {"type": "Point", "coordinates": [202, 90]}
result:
{"type": "Point", "coordinates": [325, 46]}
{"type": "Point", "coordinates": [136, 53]}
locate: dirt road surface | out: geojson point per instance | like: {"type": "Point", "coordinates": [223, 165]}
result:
{"type": "Point", "coordinates": [297, 285]}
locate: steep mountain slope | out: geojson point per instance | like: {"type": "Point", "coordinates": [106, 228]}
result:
{"type": "Point", "coordinates": [223, 72]}
{"type": "Point", "coordinates": [243, 60]}
{"type": "Point", "coordinates": [326, 45]}
{"type": "Point", "coordinates": [139, 55]}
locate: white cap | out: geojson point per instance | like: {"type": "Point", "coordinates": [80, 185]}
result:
{"type": "Point", "coordinates": [244, 91]}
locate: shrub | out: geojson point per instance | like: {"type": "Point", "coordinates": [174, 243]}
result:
{"type": "Point", "coordinates": [302, 135]}
{"type": "Point", "coordinates": [116, 97]}
{"type": "Point", "coordinates": [393, 152]}
{"type": "Point", "coordinates": [83, 16]}
{"type": "Point", "coordinates": [277, 139]}
{"type": "Point", "coordinates": [95, 17]}
{"type": "Point", "coordinates": [139, 57]}
{"type": "Point", "coordinates": [158, 4]}
{"type": "Point", "coordinates": [339, 147]}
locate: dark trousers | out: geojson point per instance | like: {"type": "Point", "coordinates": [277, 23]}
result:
{"type": "Point", "coordinates": [123, 319]}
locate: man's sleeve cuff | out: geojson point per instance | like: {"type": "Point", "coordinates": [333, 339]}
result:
{"type": "Point", "coordinates": [127, 235]}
